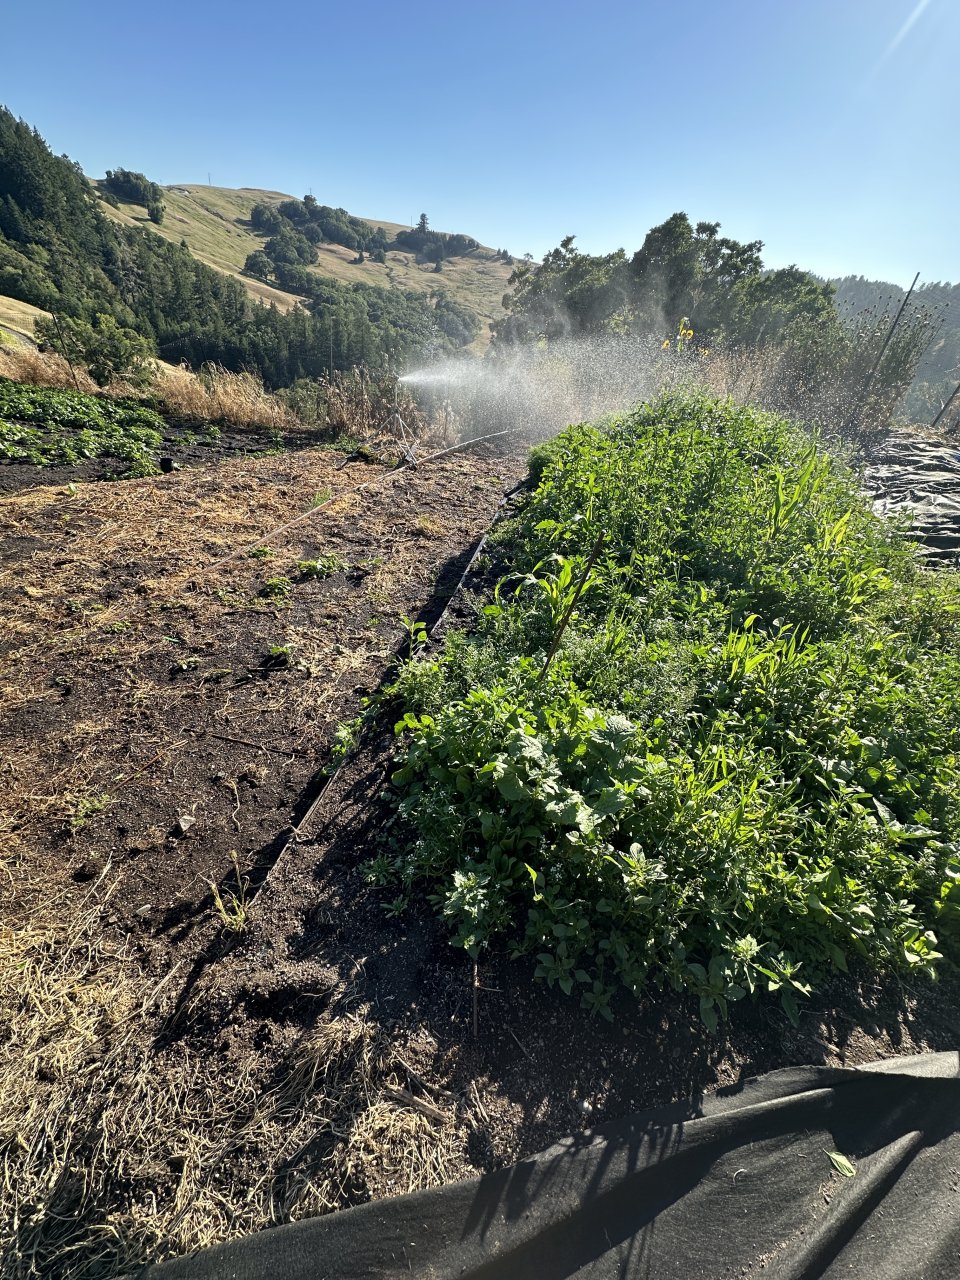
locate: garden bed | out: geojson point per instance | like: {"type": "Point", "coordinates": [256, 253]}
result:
{"type": "Point", "coordinates": [218, 1018]}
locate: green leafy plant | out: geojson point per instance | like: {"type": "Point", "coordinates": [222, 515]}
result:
{"type": "Point", "coordinates": [48, 427]}
{"type": "Point", "coordinates": [277, 589]}
{"type": "Point", "coordinates": [322, 567]}
{"type": "Point", "coordinates": [417, 635]}
{"type": "Point", "coordinates": [83, 808]}
{"type": "Point", "coordinates": [739, 771]}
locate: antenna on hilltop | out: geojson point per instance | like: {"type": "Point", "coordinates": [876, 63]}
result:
{"type": "Point", "coordinates": [208, 179]}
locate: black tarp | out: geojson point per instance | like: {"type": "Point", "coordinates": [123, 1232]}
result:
{"type": "Point", "coordinates": [917, 477]}
{"type": "Point", "coordinates": [743, 1185]}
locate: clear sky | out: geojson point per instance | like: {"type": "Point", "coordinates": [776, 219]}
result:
{"type": "Point", "coordinates": [826, 128]}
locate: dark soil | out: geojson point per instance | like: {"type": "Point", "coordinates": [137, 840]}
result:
{"type": "Point", "coordinates": [183, 721]}
{"type": "Point", "coordinates": [163, 715]}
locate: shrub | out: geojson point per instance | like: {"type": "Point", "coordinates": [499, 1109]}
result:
{"type": "Point", "coordinates": [108, 351]}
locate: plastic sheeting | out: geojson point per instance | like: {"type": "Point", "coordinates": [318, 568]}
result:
{"type": "Point", "coordinates": [745, 1185]}
{"type": "Point", "coordinates": [918, 477]}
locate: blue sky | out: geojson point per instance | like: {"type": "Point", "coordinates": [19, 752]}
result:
{"type": "Point", "coordinates": [825, 128]}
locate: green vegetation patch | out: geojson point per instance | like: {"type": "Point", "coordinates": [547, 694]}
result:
{"type": "Point", "coordinates": [738, 770]}
{"type": "Point", "coordinates": [47, 428]}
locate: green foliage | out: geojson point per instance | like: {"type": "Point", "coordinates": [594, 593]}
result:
{"type": "Point", "coordinates": [434, 246]}
{"type": "Point", "coordinates": [135, 188]}
{"type": "Point", "coordinates": [326, 564]}
{"type": "Point", "coordinates": [58, 251]}
{"type": "Point", "coordinates": [277, 588]}
{"type": "Point", "coordinates": [51, 428]}
{"type": "Point", "coordinates": [316, 222]}
{"type": "Point", "coordinates": [108, 351]}
{"type": "Point", "coordinates": [680, 270]}
{"type": "Point", "coordinates": [740, 771]}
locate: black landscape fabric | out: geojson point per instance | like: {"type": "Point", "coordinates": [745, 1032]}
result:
{"type": "Point", "coordinates": [810, 1171]}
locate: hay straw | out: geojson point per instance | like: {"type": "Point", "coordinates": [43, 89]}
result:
{"type": "Point", "coordinates": [112, 1154]}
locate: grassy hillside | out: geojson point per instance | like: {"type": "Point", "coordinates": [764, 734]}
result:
{"type": "Point", "coordinates": [215, 222]}
{"type": "Point", "coordinates": [17, 318]}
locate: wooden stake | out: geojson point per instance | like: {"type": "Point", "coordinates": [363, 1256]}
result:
{"type": "Point", "coordinates": [63, 347]}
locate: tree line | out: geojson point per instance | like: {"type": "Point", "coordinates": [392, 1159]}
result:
{"type": "Point", "coordinates": [689, 286]}
{"type": "Point", "coordinates": [58, 251]}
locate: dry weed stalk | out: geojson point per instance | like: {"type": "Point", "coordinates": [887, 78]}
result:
{"type": "Point", "coordinates": [373, 409]}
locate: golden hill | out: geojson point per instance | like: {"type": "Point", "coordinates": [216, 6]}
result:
{"type": "Point", "coordinates": [215, 222]}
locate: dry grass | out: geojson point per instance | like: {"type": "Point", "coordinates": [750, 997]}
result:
{"type": "Point", "coordinates": [215, 394]}
{"type": "Point", "coordinates": [18, 317]}
{"type": "Point", "coordinates": [374, 408]}
{"type": "Point", "coordinates": [114, 1154]}
{"type": "Point", "coordinates": [43, 369]}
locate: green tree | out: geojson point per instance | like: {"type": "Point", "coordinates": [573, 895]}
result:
{"type": "Point", "coordinates": [136, 188]}
{"type": "Point", "coordinates": [259, 265]}
{"type": "Point", "coordinates": [109, 352]}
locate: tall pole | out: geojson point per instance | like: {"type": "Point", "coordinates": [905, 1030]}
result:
{"type": "Point", "coordinates": [855, 417]}
{"type": "Point", "coordinates": [936, 420]}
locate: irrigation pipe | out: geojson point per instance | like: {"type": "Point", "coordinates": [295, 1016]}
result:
{"type": "Point", "coordinates": [367, 484]}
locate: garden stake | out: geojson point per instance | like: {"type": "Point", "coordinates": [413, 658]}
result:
{"type": "Point", "coordinates": [946, 406]}
{"type": "Point", "coordinates": [855, 416]}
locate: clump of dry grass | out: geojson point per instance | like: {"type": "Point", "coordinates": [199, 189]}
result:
{"type": "Point", "coordinates": [217, 395]}
{"type": "Point", "coordinates": [43, 369]}
{"type": "Point", "coordinates": [373, 408]}
{"type": "Point", "coordinates": [114, 1154]}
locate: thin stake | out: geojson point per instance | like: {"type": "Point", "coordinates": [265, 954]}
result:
{"type": "Point", "coordinates": [568, 613]}
{"type": "Point", "coordinates": [945, 407]}
{"type": "Point", "coordinates": [855, 417]}
{"type": "Point", "coordinates": [476, 1012]}
{"type": "Point", "coordinates": [63, 347]}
